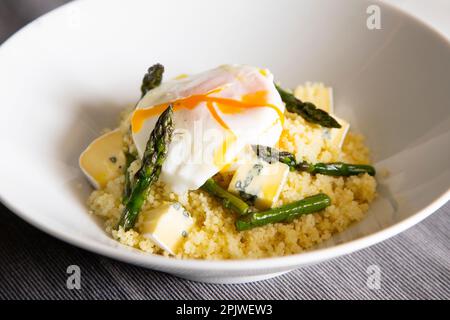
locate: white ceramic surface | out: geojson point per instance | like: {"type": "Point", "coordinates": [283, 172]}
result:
{"type": "Point", "coordinates": [65, 76]}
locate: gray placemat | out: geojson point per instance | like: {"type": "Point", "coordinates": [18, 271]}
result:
{"type": "Point", "coordinates": [412, 265]}
{"type": "Point", "coordinates": [33, 265]}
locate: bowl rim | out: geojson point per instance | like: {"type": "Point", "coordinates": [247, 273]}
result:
{"type": "Point", "coordinates": [163, 263]}
{"type": "Point", "coordinates": [308, 257]}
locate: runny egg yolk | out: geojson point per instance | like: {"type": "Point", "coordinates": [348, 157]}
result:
{"type": "Point", "coordinates": [217, 113]}
{"type": "Point", "coordinates": [225, 105]}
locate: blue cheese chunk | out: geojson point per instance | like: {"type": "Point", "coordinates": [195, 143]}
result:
{"type": "Point", "coordinates": [167, 225]}
{"type": "Point", "coordinates": [103, 159]}
{"type": "Point", "coordinates": [335, 136]}
{"type": "Point", "coordinates": [259, 182]}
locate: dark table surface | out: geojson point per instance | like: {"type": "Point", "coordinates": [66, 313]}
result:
{"type": "Point", "coordinates": [33, 265]}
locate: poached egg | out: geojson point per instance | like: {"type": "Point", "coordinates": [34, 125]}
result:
{"type": "Point", "coordinates": [217, 114]}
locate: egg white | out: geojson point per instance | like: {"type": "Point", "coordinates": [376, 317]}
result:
{"type": "Point", "coordinates": [198, 136]}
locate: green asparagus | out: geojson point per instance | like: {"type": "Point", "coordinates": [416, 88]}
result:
{"type": "Point", "coordinates": [152, 78]}
{"type": "Point", "coordinates": [339, 169]}
{"type": "Point", "coordinates": [271, 155]}
{"type": "Point", "coordinates": [284, 213]}
{"type": "Point", "coordinates": [154, 155]}
{"type": "Point", "coordinates": [307, 110]}
{"type": "Point", "coordinates": [229, 200]}
{"type": "Point", "coordinates": [129, 158]}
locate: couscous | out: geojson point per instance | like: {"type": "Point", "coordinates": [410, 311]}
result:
{"type": "Point", "coordinates": [208, 226]}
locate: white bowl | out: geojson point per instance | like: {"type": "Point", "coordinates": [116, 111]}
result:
{"type": "Point", "coordinates": [65, 76]}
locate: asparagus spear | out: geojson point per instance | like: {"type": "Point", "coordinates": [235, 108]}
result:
{"type": "Point", "coordinates": [272, 155]}
{"type": "Point", "coordinates": [331, 169]}
{"type": "Point", "coordinates": [152, 78]}
{"type": "Point", "coordinates": [336, 168]}
{"type": "Point", "coordinates": [307, 110]}
{"type": "Point", "coordinates": [129, 158]}
{"type": "Point", "coordinates": [229, 201]}
{"type": "Point", "coordinates": [284, 213]}
{"type": "Point", "coordinates": [152, 160]}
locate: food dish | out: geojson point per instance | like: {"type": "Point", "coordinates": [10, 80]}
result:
{"type": "Point", "coordinates": [87, 72]}
{"type": "Point", "coordinates": [192, 170]}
